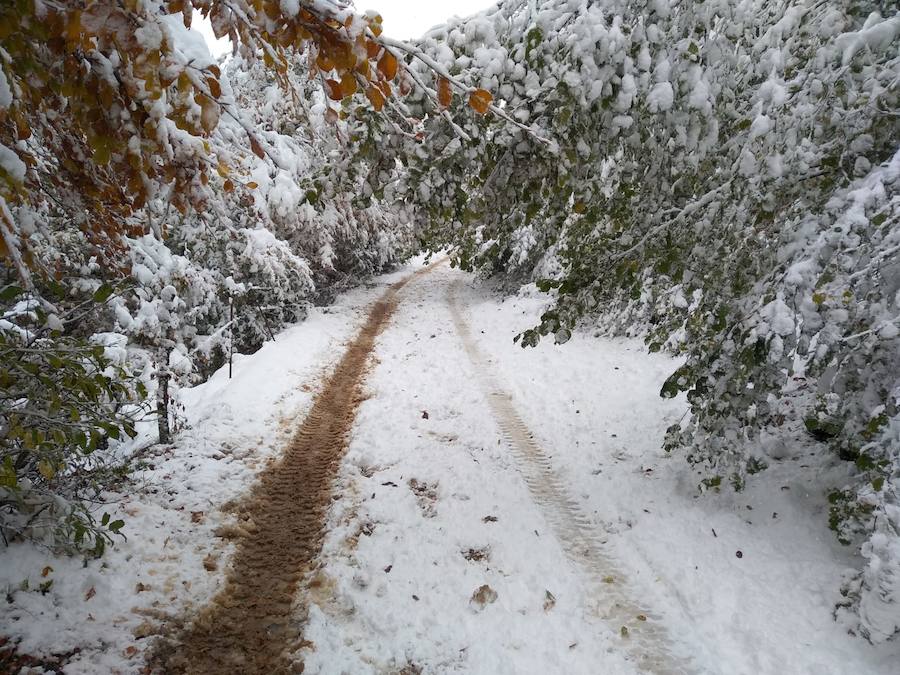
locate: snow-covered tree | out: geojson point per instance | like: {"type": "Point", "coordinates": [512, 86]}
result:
{"type": "Point", "coordinates": [155, 210]}
{"type": "Point", "coordinates": [719, 176]}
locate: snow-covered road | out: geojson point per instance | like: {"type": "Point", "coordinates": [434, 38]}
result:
{"type": "Point", "coordinates": [498, 511]}
{"type": "Point", "coordinates": [461, 541]}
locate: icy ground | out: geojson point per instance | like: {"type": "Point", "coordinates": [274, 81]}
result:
{"type": "Point", "coordinates": [448, 551]}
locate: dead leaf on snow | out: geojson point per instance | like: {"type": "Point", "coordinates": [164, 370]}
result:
{"type": "Point", "coordinates": [483, 595]}
{"type": "Point", "coordinates": [549, 601]}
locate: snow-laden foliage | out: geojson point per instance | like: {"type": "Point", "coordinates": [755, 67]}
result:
{"type": "Point", "coordinates": [90, 324]}
{"type": "Point", "coordinates": [719, 175]}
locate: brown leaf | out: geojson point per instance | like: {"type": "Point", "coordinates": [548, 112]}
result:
{"type": "Point", "coordinates": [214, 88]}
{"type": "Point", "coordinates": [334, 90]}
{"type": "Point", "coordinates": [483, 595]}
{"type": "Point", "coordinates": [46, 571]}
{"type": "Point", "coordinates": [348, 84]}
{"type": "Point", "coordinates": [387, 65]}
{"type": "Point", "coordinates": [257, 148]}
{"type": "Point", "coordinates": [480, 100]}
{"type": "Point", "coordinates": [90, 594]}
{"type": "Point", "coordinates": [549, 601]}
{"type": "Point", "coordinates": [376, 98]}
{"type": "Point", "coordinates": [445, 93]}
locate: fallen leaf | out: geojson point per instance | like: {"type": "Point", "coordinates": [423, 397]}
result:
{"type": "Point", "coordinates": [483, 595]}
{"type": "Point", "coordinates": [90, 594]}
{"type": "Point", "coordinates": [549, 601]}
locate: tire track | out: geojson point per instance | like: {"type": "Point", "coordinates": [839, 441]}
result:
{"type": "Point", "coordinates": [644, 638]}
{"type": "Point", "coordinates": [253, 624]}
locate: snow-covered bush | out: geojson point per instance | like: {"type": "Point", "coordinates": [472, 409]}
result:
{"type": "Point", "coordinates": [62, 399]}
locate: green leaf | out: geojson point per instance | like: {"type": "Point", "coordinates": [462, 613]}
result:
{"type": "Point", "coordinates": [9, 293]}
{"type": "Point", "coordinates": [103, 293]}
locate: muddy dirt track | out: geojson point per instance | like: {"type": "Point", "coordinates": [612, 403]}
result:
{"type": "Point", "coordinates": [252, 624]}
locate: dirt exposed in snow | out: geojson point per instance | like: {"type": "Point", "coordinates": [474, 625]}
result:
{"type": "Point", "coordinates": [252, 625]}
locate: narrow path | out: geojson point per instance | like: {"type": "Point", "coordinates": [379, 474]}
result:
{"type": "Point", "coordinates": [644, 638]}
{"type": "Point", "coordinates": [252, 625]}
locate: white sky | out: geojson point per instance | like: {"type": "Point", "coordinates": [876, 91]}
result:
{"type": "Point", "coordinates": [403, 19]}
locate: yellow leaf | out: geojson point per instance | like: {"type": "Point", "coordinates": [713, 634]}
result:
{"type": "Point", "coordinates": [252, 185]}
{"type": "Point", "coordinates": [376, 98]}
{"type": "Point", "coordinates": [46, 469]}
{"type": "Point", "coordinates": [387, 65]}
{"type": "Point", "coordinates": [480, 100]}
{"type": "Point", "coordinates": [348, 84]}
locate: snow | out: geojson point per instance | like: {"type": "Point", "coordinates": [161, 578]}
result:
{"type": "Point", "coordinates": [761, 125]}
{"type": "Point", "coordinates": [876, 34]}
{"type": "Point", "coordinates": [232, 426]}
{"type": "Point", "coordinates": [660, 97]}
{"type": "Point", "coordinates": [11, 164]}
{"type": "Point", "coordinates": [190, 43]}
{"type": "Point", "coordinates": [398, 582]}
{"type": "Point", "coordinates": [431, 505]}
{"type": "Point", "coordinates": [5, 92]}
